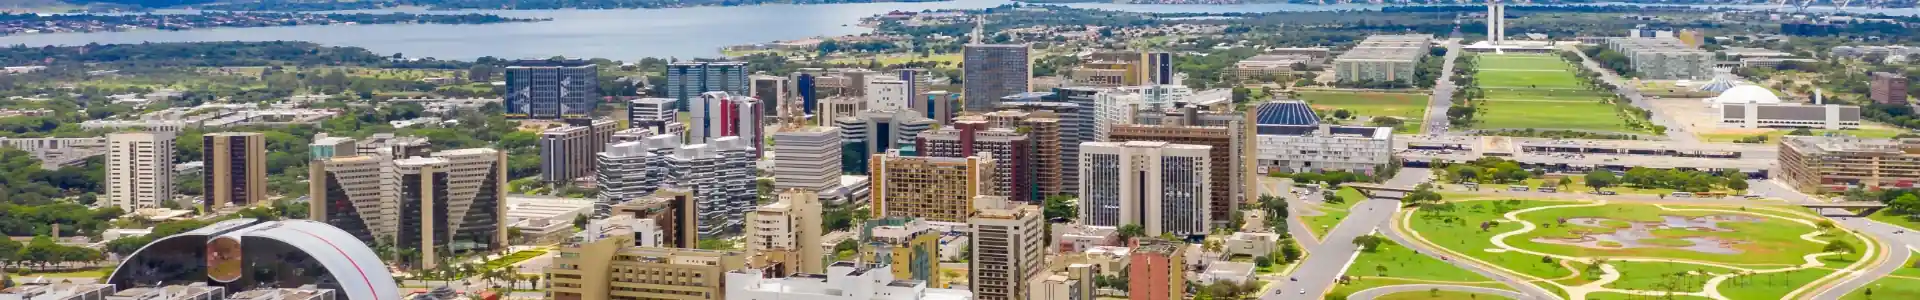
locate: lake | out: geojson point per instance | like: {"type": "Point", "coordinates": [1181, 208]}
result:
{"type": "Point", "coordinates": [620, 34]}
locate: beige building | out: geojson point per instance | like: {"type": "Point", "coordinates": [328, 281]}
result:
{"type": "Point", "coordinates": [1074, 283]}
{"type": "Point", "coordinates": [1230, 166]}
{"type": "Point", "coordinates": [567, 153]}
{"type": "Point", "coordinates": [453, 200]}
{"type": "Point", "coordinates": [785, 236]}
{"type": "Point", "coordinates": [1044, 129]}
{"type": "Point", "coordinates": [1009, 248]}
{"type": "Point", "coordinates": [671, 210]}
{"type": "Point", "coordinates": [1163, 187]}
{"type": "Point", "coordinates": [610, 268]}
{"type": "Point", "coordinates": [350, 192]}
{"type": "Point", "coordinates": [139, 169]}
{"type": "Point", "coordinates": [236, 169]}
{"type": "Point", "coordinates": [934, 188]}
{"type": "Point", "coordinates": [1837, 164]}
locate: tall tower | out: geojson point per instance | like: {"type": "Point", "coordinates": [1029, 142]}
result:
{"type": "Point", "coordinates": [1496, 22]}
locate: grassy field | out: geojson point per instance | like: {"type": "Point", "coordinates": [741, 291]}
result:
{"type": "Point", "coordinates": [1773, 137]}
{"type": "Point", "coordinates": [1673, 277]}
{"type": "Point", "coordinates": [1463, 234]}
{"type": "Point", "coordinates": [1619, 296]}
{"type": "Point", "coordinates": [1770, 285]}
{"type": "Point", "coordinates": [1368, 282]}
{"type": "Point", "coordinates": [1579, 185]}
{"type": "Point", "coordinates": [1410, 108]}
{"type": "Point", "coordinates": [1888, 288]}
{"type": "Point", "coordinates": [1441, 295]}
{"type": "Point", "coordinates": [1540, 92]}
{"type": "Point", "coordinates": [1769, 241]}
{"type": "Point", "coordinates": [1402, 262]}
{"type": "Point", "coordinates": [1333, 212]}
{"type": "Point", "coordinates": [83, 273]}
{"type": "Point", "coordinates": [514, 258]}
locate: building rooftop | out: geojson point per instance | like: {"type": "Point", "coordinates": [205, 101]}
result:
{"type": "Point", "coordinates": [1285, 112]}
{"type": "Point", "coordinates": [1824, 144]}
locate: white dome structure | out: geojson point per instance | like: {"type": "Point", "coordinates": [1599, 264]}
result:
{"type": "Point", "coordinates": [1744, 94]}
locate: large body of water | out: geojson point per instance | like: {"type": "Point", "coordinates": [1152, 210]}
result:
{"type": "Point", "coordinates": [621, 34]}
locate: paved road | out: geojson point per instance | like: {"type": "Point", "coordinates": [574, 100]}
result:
{"type": "Point", "coordinates": [1422, 288]}
{"type": "Point", "coordinates": [1675, 130]}
{"type": "Point", "coordinates": [1531, 292]}
{"type": "Point", "coordinates": [1282, 187]}
{"type": "Point", "coordinates": [1328, 260]}
{"type": "Point", "coordinates": [1442, 93]}
{"type": "Point", "coordinates": [1898, 249]}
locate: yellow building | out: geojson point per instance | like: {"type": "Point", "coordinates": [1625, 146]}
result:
{"type": "Point", "coordinates": [934, 188]}
{"type": "Point", "coordinates": [609, 268]}
{"type": "Point", "coordinates": [910, 245]}
{"type": "Point", "coordinates": [785, 235]}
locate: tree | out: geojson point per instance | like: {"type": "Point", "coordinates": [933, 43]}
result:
{"type": "Point", "coordinates": [1289, 252]}
{"type": "Point", "coordinates": [1824, 225]}
{"type": "Point", "coordinates": [1600, 179]}
{"type": "Point", "coordinates": [1060, 207]}
{"type": "Point", "coordinates": [580, 221]}
{"type": "Point", "coordinates": [1423, 193]}
{"type": "Point", "coordinates": [1905, 204]}
{"type": "Point", "coordinates": [1838, 247]}
{"type": "Point", "coordinates": [1368, 243]}
{"type": "Point", "coordinates": [1738, 185]}
{"type": "Point", "coordinates": [1262, 262]}
{"type": "Point", "coordinates": [1130, 231]}
{"type": "Point", "coordinates": [1342, 114]}
{"type": "Point", "coordinates": [1800, 131]}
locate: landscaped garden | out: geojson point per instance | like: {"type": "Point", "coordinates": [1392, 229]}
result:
{"type": "Point", "coordinates": [1540, 92]}
{"type": "Point", "coordinates": [1329, 213]}
{"type": "Point", "coordinates": [1389, 264]}
{"type": "Point", "coordinates": [1410, 109]}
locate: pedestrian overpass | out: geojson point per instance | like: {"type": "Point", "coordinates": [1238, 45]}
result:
{"type": "Point", "coordinates": [1376, 191]}
{"type": "Point", "coordinates": [1865, 208]}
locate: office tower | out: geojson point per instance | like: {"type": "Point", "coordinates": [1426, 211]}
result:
{"type": "Point", "coordinates": [836, 107]}
{"type": "Point", "coordinates": [1157, 270]}
{"type": "Point", "coordinates": [785, 235]}
{"type": "Point", "coordinates": [1160, 69]}
{"type": "Point", "coordinates": [1230, 156]}
{"type": "Point", "coordinates": [565, 151]}
{"type": "Point", "coordinates": [1077, 124]}
{"type": "Point", "coordinates": [688, 80]}
{"type": "Point", "coordinates": [609, 267]}
{"type": "Point", "coordinates": [888, 94]}
{"type": "Point", "coordinates": [911, 247]}
{"type": "Point", "coordinates": [994, 71]}
{"type": "Point", "coordinates": [720, 114]}
{"type": "Point", "coordinates": [453, 201]}
{"type": "Point", "coordinates": [235, 169]}
{"type": "Point", "coordinates": [1496, 23]}
{"type": "Point", "coordinates": [941, 106]}
{"type": "Point", "coordinates": [672, 212]}
{"type": "Point", "coordinates": [809, 159]}
{"type": "Point", "coordinates": [875, 132]}
{"type": "Point", "coordinates": [772, 92]}
{"type": "Point", "coordinates": [844, 280]}
{"type": "Point", "coordinates": [324, 146]}
{"type": "Point", "coordinates": [1124, 68]}
{"type": "Point", "coordinates": [657, 114]}
{"type": "Point", "coordinates": [627, 171]}
{"type": "Point", "coordinates": [917, 85]}
{"type": "Point", "coordinates": [1043, 129]}
{"type": "Point", "coordinates": [935, 188]}
{"type": "Point", "coordinates": [1889, 88]}
{"type": "Point", "coordinates": [551, 89]}
{"type": "Point", "coordinates": [1009, 247]}
{"type": "Point", "coordinates": [139, 169]}
{"type": "Point", "coordinates": [350, 192]}
{"type": "Point", "coordinates": [1163, 187]}
{"type": "Point", "coordinates": [722, 172]}
{"type": "Point", "coordinates": [806, 88]}
{"type": "Point", "coordinates": [1013, 153]}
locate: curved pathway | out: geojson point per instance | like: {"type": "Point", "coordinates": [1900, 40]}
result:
{"type": "Point", "coordinates": [1371, 293]}
{"type": "Point", "coordinates": [1531, 291]}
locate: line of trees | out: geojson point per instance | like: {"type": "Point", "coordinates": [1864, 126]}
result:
{"type": "Point", "coordinates": [42, 253]}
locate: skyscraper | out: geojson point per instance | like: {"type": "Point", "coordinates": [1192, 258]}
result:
{"type": "Point", "coordinates": [805, 87]}
{"type": "Point", "coordinates": [722, 174]}
{"type": "Point", "coordinates": [139, 169]}
{"type": "Point", "coordinates": [993, 71]}
{"type": "Point", "coordinates": [1009, 248]}
{"type": "Point", "coordinates": [551, 89]}
{"type": "Point", "coordinates": [452, 202]}
{"type": "Point", "coordinates": [627, 171]}
{"type": "Point", "coordinates": [656, 114]}
{"type": "Point", "coordinates": [1163, 187]}
{"type": "Point", "coordinates": [235, 169]}
{"type": "Point", "coordinates": [351, 192]}
{"type": "Point", "coordinates": [721, 114]}
{"type": "Point", "coordinates": [785, 235]}
{"type": "Point", "coordinates": [1232, 155]}
{"type": "Point", "coordinates": [809, 159]}
{"type": "Point", "coordinates": [688, 80]}
{"type": "Point", "coordinates": [874, 132]}
{"type": "Point", "coordinates": [772, 92]}
{"type": "Point", "coordinates": [935, 188]}
{"type": "Point", "coordinates": [566, 152]}
{"type": "Point", "coordinates": [1012, 151]}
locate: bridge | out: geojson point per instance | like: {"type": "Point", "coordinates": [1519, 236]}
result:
{"type": "Point", "coordinates": [1865, 207]}
{"type": "Point", "coordinates": [1370, 190]}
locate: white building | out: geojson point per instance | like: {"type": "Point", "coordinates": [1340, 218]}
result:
{"type": "Point", "coordinates": [843, 281]}
{"type": "Point", "coordinates": [1752, 106]}
{"type": "Point", "coordinates": [807, 158]}
{"type": "Point", "coordinates": [630, 170]}
{"type": "Point", "coordinates": [888, 94]}
{"type": "Point", "coordinates": [722, 172]}
{"type": "Point", "coordinates": [1251, 243]}
{"type": "Point", "coordinates": [139, 169]}
{"type": "Point", "coordinates": [1073, 238]}
{"type": "Point", "coordinates": [1160, 96]}
{"type": "Point", "coordinates": [656, 114]}
{"type": "Point", "coordinates": [1172, 196]}
{"type": "Point", "coordinates": [1290, 138]}
{"type": "Point", "coordinates": [719, 114]}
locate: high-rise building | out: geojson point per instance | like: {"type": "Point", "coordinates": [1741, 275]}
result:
{"type": "Point", "coordinates": [688, 80]}
{"type": "Point", "coordinates": [1230, 154]}
{"type": "Point", "coordinates": [609, 267]}
{"type": "Point", "coordinates": [351, 193]}
{"type": "Point", "coordinates": [1009, 248]}
{"type": "Point", "coordinates": [1123, 68]}
{"type": "Point", "coordinates": [1156, 270]}
{"type": "Point", "coordinates": [721, 114]}
{"type": "Point", "coordinates": [723, 174]}
{"type": "Point", "coordinates": [889, 94]}
{"type": "Point", "coordinates": [627, 171]}
{"type": "Point", "coordinates": [994, 71]}
{"type": "Point", "coordinates": [874, 132]}
{"type": "Point", "coordinates": [551, 89]}
{"type": "Point", "coordinates": [785, 235]}
{"type": "Point", "coordinates": [1664, 58]}
{"type": "Point", "coordinates": [809, 158]}
{"type": "Point", "coordinates": [453, 201]}
{"type": "Point", "coordinates": [772, 92]}
{"type": "Point", "coordinates": [1044, 129]}
{"type": "Point", "coordinates": [843, 281]}
{"type": "Point", "coordinates": [934, 188]}
{"type": "Point", "coordinates": [918, 85]}
{"type": "Point", "coordinates": [911, 247]}
{"type": "Point", "coordinates": [1888, 88]}
{"type": "Point", "coordinates": [564, 151]}
{"type": "Point", "coordinates": [941, 106]}
{"type": "Point", "coordinates": [806, 88]}
{"type": "Point", "coordinates": [836, 107]}
{"type": "Point", "coordinates": [139, 169]}
{"type": "Point", "coordinates": [657, 114]}
{"type": "Point", "coordinates": [1496, 22]}
{"type": "Point", "coordinates": [235, 169]}
{"type": "Point", "coordinates": [1163, 187]}
{"type": "Point", "coordinates": [1012, 151]}
{"type": "Point", "coordinates": [673, 215]}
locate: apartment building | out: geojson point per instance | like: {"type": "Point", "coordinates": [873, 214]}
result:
{"type": "Point", "coordinates": [1045, 130]}
{"type": "Point", "coordinates": [993, 71]}
{"type": "Point", "coordinates": [1166, 188]}
{"type": "Point", "coordinates": [630, 170]}
{"type": "Point", "coordinates": [139, 169]}
{"type": "Point", "coordinates": [1009, 248]}
{"type": "Point", "coordinates": [934, 188]}
{"type": "Point", "coordinates": [1013, 169]}
{"type": "Point", "coordinates": [1229, 175]}
{"type": "Point", "coordinates": [1157, 270]}
{"type": "Point", "coordinates": [1381, 58]}
{"type": "Point", "coordinates": [670, 212]}
{"type": "Point", "coordinates": [610, 268]}
{"type": "Point", "coordinates": [722, 114]}
{"type": "Point", "coordinates": [1835, 164]}
{"type": "Point", "coordinates": [809, 158]}
{"type": "Point", "coordinates": [565, 151]}
{"type": "Point", "coordinates": [909, 247]}
{"type": "Point", "coordinates": [785, 236]}
{"type": "Point", "coordinates": [236, 169]}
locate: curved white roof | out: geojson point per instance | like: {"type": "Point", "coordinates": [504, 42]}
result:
{"type": "Point", "coordinates": [1745, 94]}
{"type": "Point", "coordinates": [361, 274]}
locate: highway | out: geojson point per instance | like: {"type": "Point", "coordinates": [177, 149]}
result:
{"type": "Point", "coordinates": [1442, 93]}
{"type": "Point", "coordinates": [1329, 259]}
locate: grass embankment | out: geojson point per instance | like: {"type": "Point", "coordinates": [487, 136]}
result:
{"type": "Point", "coordinates": [1332, 213]}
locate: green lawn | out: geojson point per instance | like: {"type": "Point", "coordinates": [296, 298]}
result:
{"type": "Point", "coordinates": [1888, 288]}
{"type": "Point", "coordinates": [1460, 232]}
{"type": "Point", "coordinates": [1773, 137]}
{"type": "Point", "coordinates": [1888, 217]}
{"type": "Point", "coordinates": [1402, 262]}
{"type": "Point", "coordinates": [1368, 282]}
{"type": "Point", "coordinates": [1619, 296]}
{"type": "Point", "coordinates": [85, 273]}
{"type": "Point", "coordinates": [514, 258]}
{"type": "Point", "coordinates": [1770, 285]}
{"type": "Point", "coordinates": [1333, 212]}
{"type": "Point", "coordinates": [1908, 269]}
{"type": "Point", "coordinates": [1673, 277]}
{"type": "Point", "coordinates": [1410, 108]}
{"type": "Point", "coordinates": [1526, 70]}
{"type": "Point", "coordinates": [1531, 91]}
{"type": "Point", "coordinates": [1769, 241]}
{"type": "Point", "coordinates": [1579, 185]}
{"type": "Point", "coordinates": [1441, 295]}
{"type": "Point", "coordinates": [1522, 62]}
{"type": "Point", "coordinates": [1576, 115]}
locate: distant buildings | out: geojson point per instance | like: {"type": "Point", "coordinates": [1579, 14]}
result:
{"type": "Point", "coordinates": [1279, 66]}
{"type": "Point", "coordinates": [688, 80]}
{"type": "Point", "coordinates": [236, 173]}
{"type": "Point", "coordinates": [1157, 271]}
{"type": "Point", "coordinates": [1664, 58]}
{"type": "Point", "coordinates": [910, 247]}
{"type": "Point", "coordinates": [607, 267]}
{"type": "Point", "coordinates": [785, 235]}
{"type": "Point", "coordinates": [1835, 164]}
{"type": "Point", "coordinates": [1012, 151]}
{"type": "Point", "coordinates": [655, 114]}
{"type": "Point", "coordinates": [874, 132]}
{"type": "Point", "coordinates": [1009, 248]}
{"type": "Point", "coordinates": [1382, 58]}
{"type": "Point", "coordinates": [565, 152]}
{"type": "Point", "coordinates": [551, 89]}
{"type": "Point", "coordinates": [1166, 188]}
{"type": "Point", "coordinates": [1230, 156]}
{"type": "Point", "coordinates": [1889, 88]}
{"type": "Point", "coordinates": [1289, 138]}
{"type": "Point", "coordinates": [889, 94]}
{"type": "Point", "coordinates": [934, 188]}
{"type": "Point", "coordinates": [1789, 115]}
{"type": "Point", "coordinates": [772, 91]}
{"type": "Point", "coordinates": [842, 281]}
{"type": "Point", "coordinates": [809, 158]}
{"type": "Point", "coordinates": [139, 169]}
{"type": "Point", "coordinates": [994, 71]}
{"type": "Point", "coordinates": [1116, 69]}
{"type": "Point", "coordinates": [54, 153]}
{"type": "Point", "coordinates": [722, 114]}
{"type": "Point", "coordinates": [722, 173]}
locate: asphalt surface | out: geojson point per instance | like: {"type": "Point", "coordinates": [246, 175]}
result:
{"type": "Point", "coordinates": [1898, 247]}
{"type": "Point", "coordinates": [1329, 259]}
{"type": "Point", "coordinates": [1675, 130]}
{"type": "Point", "coordinates": [1422, 288]}
{"type": "Point", "coordinates": [1442, 93]}
{"type": "Point", "coordinates": [1531, 292]}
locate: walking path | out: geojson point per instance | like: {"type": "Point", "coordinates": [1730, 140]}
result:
{"type": "Point", "coordinates": [1369, 294]}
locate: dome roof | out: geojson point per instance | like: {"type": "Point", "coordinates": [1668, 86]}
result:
{"type": "Point", "coordinates": [1719, 84]}
{"type": "Point", "coordinates": [1746, 94]}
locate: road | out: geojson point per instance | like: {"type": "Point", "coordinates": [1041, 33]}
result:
{"type": "Point", "coordinates": [1330, 258]}
{"type": "Point", "coordinates": [1442, 93]}
{"type": "Point", "coordinates": [1675, 130]}
{"type": "Point", "coordinates": [1898, 248]}
{"type": "Point", "coordinates": [1369, 294]}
